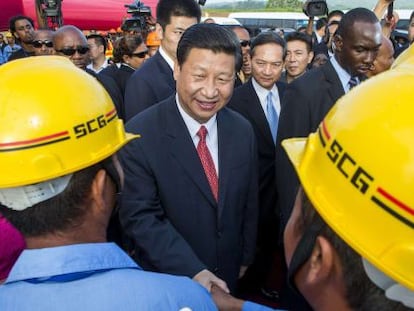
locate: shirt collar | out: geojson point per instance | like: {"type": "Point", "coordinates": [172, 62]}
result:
{"type": "Point", "coordinates": [168, 59]}
{"type": "Point", "coordinates": [344, 76]}
{"type": "Point", "coordinates": [262, 92]}
{"type": "Point", "coordinates": [49, 262]}
{"type": "Point", "coordinates": [193, 125]}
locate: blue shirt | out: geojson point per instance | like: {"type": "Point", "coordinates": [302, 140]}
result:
{"type": "Point", "coordinates": [251, 306]}
{"type": "Point", "coordinates": [98, 276]}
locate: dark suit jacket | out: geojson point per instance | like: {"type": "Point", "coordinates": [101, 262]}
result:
{"type": "Point", "coordinates": [150, 84]}
{"type": "Point", "coordinates": [306, 102]}
{"type": "Point", "coordinates": [168, 208]}
{"type": "Point", "coordinates": [246, 102]}
{"type": "Point", "coordinates": [111, 87]}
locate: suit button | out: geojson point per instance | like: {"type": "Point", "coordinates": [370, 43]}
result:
{"type": "Point", "coordinates": [219, 234]}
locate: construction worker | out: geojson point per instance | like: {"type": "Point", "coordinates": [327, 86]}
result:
{"type": "Point", "coordinates": [349, 242]}
{"type": "Point", "coordinates": [60, 176]}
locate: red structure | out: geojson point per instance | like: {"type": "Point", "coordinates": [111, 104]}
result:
{"type": "Point", "coordinates": [85, 14]}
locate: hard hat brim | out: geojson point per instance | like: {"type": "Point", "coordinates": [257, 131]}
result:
{"type": "Point", "coordinates": [295, 148]}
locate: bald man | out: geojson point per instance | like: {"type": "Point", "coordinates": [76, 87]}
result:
{"type": "Point", "coordinates": [384, 59]}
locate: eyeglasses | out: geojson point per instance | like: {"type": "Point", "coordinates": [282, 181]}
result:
{"type": "Point", "coordinates": [39, 43]}
{"type": "Point", "coordinates": [244, 43]}
{"type": "Point", "coordinates": [140, 54]}
{"type": "Point", "coordinates": [71, 51]}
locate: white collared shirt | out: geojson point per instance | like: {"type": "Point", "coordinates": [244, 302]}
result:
{"type": "Point", "coordinates": [344, 76]}
{"type": "Point", "coordinates": [168, 59]}
{"type": "Point", "coordinates": [103, 66]}
{"type": "Point", "coordinates": [193, 127]}
{"type": "Point", "coordinates": [262, 94]}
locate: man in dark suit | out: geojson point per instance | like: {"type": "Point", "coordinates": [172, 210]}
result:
{"type": "Point", "coordinates": [190, 198]}
{"type": "Point", "coordinates": [267, 54]}
{"type": "Point", "coordinates": [309, 98]}
{"type": "Point", "coordinates": [154, 81]}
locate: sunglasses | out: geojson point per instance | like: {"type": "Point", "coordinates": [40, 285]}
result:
{"type": "Point", "coordinates": [244, 43]}
{"type": "Point", "coordinates": [71, 51]}
{"type": "Point", "coordinates": [39, 43]}
{"type": "Point", "coordinates": [140, 54]}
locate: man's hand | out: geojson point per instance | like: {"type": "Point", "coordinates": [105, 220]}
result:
{"type": "Point", "coordinates": [225, 301]}
{"type": "Point", "coordinates": [208, 279]}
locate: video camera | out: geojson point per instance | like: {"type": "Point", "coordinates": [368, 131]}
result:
{"type": "Point", "coordinates": [314, 8]}
{"type": "Point", "coordinates": [138, 21]}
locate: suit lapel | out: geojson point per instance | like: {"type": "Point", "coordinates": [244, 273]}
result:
{"type": "Point", "coordinates": [165, 70]}
{"type": "Point", "coordinates": [225, 155]}
{"type": "Point", "coordinates": [183, 150]}
{"type": "Point", "coordinates": [335, 89]}
{"type": "Point", "coordinates": [255, 110]}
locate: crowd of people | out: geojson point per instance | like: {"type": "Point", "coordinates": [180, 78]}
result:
{"type": "Point", "coordinates": [199, 163]}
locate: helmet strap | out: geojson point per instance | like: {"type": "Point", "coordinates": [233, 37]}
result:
{"type": "Point", "coordinates": [302, 253]}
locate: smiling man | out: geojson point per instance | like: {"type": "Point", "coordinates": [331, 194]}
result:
{"type": "Point", "coordinates": [190, 197]}
{"type": "Point", "coordinates": [309, 98]}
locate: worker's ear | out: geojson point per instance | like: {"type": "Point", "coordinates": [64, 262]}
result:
{"type": "Point", "coordinates": [98, 189]}
{"type": "Point", "coordinates": [321, 263]}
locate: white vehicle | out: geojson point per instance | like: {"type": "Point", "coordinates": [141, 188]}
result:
{"type": "Point", "coordinates": [225, 21]}
{"type": "Point", "coordinates": [271, 20]}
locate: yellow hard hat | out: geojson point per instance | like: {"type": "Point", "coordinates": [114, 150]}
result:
{"type": "Point", "coordinates": [55, 119]}
{"type": "Point", "coordinates": [358, 171]}
{"type": "Point", "coordinates": [153, 39]}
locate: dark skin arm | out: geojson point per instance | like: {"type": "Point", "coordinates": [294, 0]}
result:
{"type": "Point", "coordinates": [225, 301]}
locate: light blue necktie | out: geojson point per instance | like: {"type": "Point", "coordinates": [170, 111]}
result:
{"type": "Point", "coordinates": [272, 117]}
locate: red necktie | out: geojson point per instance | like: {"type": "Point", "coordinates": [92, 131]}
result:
{"type": "Point", "coordinates": [207, 161]}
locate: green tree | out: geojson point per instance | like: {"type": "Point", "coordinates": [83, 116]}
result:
{"type": "Point", "coordinates": [284, 4]}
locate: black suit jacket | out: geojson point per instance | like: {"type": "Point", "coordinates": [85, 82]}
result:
{"type": "Point", "coordinates": [150, 84]}
{"type": "Point", "coordinates": [168, 208]}
{"type": "Point", "coordinates": [306, 102]}
{"type": "Point", "coordinates": [246, 102]}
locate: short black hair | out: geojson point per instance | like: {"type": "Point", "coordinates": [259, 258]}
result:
{"type": "Point", "coordinates": [323, 21]}
{"type": "Point", "coordinates": [361, 293]}
{"type": "Point", "coordinates": [168, 8]}
{"type": "Point", "coordinates": [59, 213]}
{"type": "Point", "coordinates": [99, 40]}
{"type": "Point", "coordinates": [265, 38]}
{"type": "Point", "coordinates": [335, 13]}
{"type": "Point", "coordinates": [300, 36]}
{"type": "Point", "coordinates": [213, 37]}
{"type": "Point", "coordinates": [14, 19]}
{"type": "Point", "coordinates": [355, 15]}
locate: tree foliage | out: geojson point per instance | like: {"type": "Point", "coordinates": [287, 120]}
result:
{"type": "Point", "coordinates": [286, 4]}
